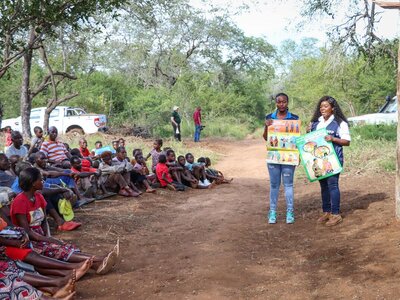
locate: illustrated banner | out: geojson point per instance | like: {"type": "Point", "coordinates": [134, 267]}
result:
{"type": "Point", "coordinates": [318, 156]}
{"type": "Point", "coordinates": [281, 144]}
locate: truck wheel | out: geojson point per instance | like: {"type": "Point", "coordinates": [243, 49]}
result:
{"type": "Point", "coordinates": [76, 131]}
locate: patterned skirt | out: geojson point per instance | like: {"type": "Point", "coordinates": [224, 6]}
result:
{"type": "Point", "coordinates": [52, 250]}
{"type": "Point", "coordinates": [12, 287]}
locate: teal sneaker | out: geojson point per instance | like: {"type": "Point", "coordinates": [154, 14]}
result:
{"type": "Point", "coordinates": [272, 217]}
{"type": "Point", "coordinates": [289, 217]}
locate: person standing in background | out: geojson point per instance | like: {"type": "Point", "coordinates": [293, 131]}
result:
{"type": "Point", "coordinates": [176, 123]}
{"type": "Point", "coordinates": [197, 124]}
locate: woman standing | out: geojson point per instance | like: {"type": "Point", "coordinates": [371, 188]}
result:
{"type": "Point", "coordinates": [329, 115]}
{"type": "Point", "coordinates": [277, 172]}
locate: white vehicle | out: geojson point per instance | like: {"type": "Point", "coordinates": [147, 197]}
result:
{"type": "Point", "coordinates": [64, 118]}
{"type": "Point", "coordinates": [386, 115]}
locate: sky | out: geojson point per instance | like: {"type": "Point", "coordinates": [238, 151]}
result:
{"type": "Point", "coordinates": [277, 20]}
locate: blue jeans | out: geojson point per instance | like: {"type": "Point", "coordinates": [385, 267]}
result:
{"type": "Point", "coordinates": [330, 194]}
{"type": "Point", "coordinates": [197, 132]}
{"type": "Point", "coordinates": [278, 173]}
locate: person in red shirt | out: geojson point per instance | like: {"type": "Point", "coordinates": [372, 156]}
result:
{"type": "Point", "coordinates": [8, 142]}
{"type": "Point", "coordinates": [163, 175]}
{"type": "Point", "coordinates": [28, 210]}
{"type": "Point", "coordinates": [197, 124]}
{"type": "Point", "coordinates": [83, 148]}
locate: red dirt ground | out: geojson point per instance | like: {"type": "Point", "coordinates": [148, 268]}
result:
{"type": "Point", "coordinates": [216, 244]}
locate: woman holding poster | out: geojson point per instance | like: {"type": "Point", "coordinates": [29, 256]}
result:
{"type": "Point", "coordinates": [328, 115]}
{"type": "Point", "coordinates": [280, 171]}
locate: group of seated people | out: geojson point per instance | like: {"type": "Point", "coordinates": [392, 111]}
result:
{"type": "Point", "coordinates": [47, 177]}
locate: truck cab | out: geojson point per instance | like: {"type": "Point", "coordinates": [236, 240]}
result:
{"type": "Point", "coordinates": [387, 114]}
{"type": "Point", "coordinates": [64, 118]}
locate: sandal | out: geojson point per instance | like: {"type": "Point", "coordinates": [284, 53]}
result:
{"type": "Point", "coordinates": [69, 226]}
{"type": "Point", "coordinates": [108, 263]}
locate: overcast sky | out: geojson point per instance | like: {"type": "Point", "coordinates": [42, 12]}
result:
{"type": "Point", "coordinates": [278, 20]}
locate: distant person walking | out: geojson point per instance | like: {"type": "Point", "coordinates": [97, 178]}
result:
{"type": "Point", "coordinates": [176, 123]}
{"type": "Point", "coordinates": [197, 124]}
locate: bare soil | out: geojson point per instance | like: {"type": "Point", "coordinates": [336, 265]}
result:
{"type": "Point", "coordinates": [216, 244]}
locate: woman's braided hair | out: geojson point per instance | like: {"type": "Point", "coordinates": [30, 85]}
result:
{"type": "Point", "coordinates": [337, 111]}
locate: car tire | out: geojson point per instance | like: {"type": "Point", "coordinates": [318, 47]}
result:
{"type": "Point", "coordinates": [76, 131]}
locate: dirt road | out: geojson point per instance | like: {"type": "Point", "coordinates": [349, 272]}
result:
{"type": "Point", "coordinates": [216, 244]}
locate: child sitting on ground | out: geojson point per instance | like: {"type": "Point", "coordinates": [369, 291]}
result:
{"type": "Point", "coordinates": [197, 169]}
{"type": "Point", "coordinates": [212, 174]}
{"type": "Point", "coordinates": [155, 153]}
{"type": "Point", "coordinates": [175, 170]}
{"type": "Point", "coordinates": [37, 140]}
{"type": "Point", "coordinates": [164, 177]}
{"type": "Point", "coordinates": [139, 176]}
{"type": "Point", "coordinates": [112, 178]}
{"type": "Point", "coordinates": [83, 149]}
{"type": "Point", "coordinates": [86, 177]}
{"type": "Point", "coordinates": [52, 194]}
{"type": "Point", "coordinates": [187, 177]}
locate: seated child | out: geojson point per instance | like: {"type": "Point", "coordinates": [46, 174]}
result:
{"type": "Point", "coordinates": [212, 174]}
{"type": "Point", "coordinates": [97, 146]}
{"type": "Point", "coordinates": [37, 140]}
{"type": "Point", "coordinates": [60, 177]}
{"type": "Point", "coordinates": [121, 142]}
{"type": "Point", "coordinates": [86, 177]}
{"type": "Point", "coordinates": [53, 194]}
{"type": "Point", "coordinates": [175, 169]}
{"type": "Point", "coordinates": [154, 154]}
{"type": "Point", "coordinates": [111, 176]}
{"type": "Point", "coordinates": [28, 210]}
{"type": "Point", "coordinates": [83, 148]}
{"type": "Point", "coordinates": [164, 177]}
{"type": "Point", "coordinates": [115, 145]}
{"type": "Point", "coordinates": [122, 159]}
{"type": "Point", "coordinates": [140, 175]}
{"type": "Point", "coordinates": [187, 177]}
{"type": "Point", "coordinates": [197, 169]}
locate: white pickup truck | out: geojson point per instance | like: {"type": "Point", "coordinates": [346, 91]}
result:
{"type": "Point", "coordinates": [64, 118]}
{"type": "Point", "coordinates": [386, 115]}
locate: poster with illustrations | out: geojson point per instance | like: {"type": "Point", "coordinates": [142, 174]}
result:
{"type": "Point", "coordinates": [281, 144]}
{"type": "Point", "coordinates": [317, 155]}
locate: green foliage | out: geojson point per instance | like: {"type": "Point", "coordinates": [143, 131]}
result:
{"type": "Point", "coordinates": [372, 149]}
{"type": "Point", "coordinates": [359, 85]}
{"type": "Point", "coordinates": [374, 132]}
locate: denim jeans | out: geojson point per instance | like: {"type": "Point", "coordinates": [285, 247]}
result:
{"type": "Point", "coordinates": [197, 132]}
{"type": "Point", "coordinates": [330, 194]}
{"type": "Point", "coordinates": [278, 173]}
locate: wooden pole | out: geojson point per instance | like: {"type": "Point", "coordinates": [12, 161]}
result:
{"type": "Point", "coordinates": [396, 5]}
{"type": "Point", "coordinates": [398, 138]}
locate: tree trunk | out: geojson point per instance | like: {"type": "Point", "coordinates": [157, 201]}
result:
{"type": "Point", "coordinates": [398, 138]}
{"type": "Point", "coordinates": [26, 100]}
{"type": "Point", "coordinates": [47, 113]}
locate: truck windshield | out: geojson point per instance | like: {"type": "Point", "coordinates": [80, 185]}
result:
{"type": "Point", "coordinates": [391, 108]}
{"type": "Point", "coordinates": [80, 111]}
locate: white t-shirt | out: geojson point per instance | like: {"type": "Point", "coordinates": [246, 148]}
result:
{"type": "Point", "coordinates": [343, 130]}
{"type": "Point", "coordinates": [21, 152]}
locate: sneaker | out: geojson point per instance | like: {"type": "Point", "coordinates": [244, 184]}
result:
{"type": "Point", "coordinates": [272, 217]}
{"type": "Point", "coordinates": [324, 218]}
{"type": "Point", "coordinates": [206, 182]}
{"type": "Point", "coordinates": [334, 220]}
{"type": "Point", "coordinates": [289, 217]}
